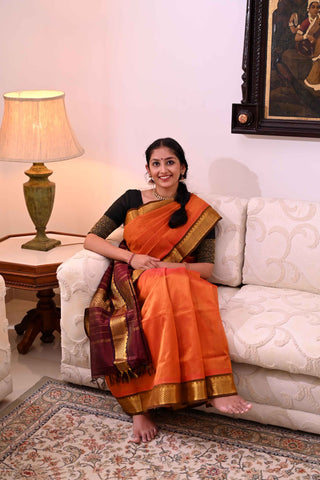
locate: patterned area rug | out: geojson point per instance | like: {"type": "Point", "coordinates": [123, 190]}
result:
{"type": "Point", "coordinates": [59, 431]}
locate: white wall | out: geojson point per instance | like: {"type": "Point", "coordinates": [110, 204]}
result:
{"type": "Point", "coordinates": [133, 71]}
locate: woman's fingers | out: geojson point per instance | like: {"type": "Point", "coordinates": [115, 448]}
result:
{"type": "Point", "coordinates": [144, 262]}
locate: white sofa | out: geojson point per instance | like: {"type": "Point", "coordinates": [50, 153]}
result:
{"type": "Point", "coordinates": [268, 274]}
{"type": "Point", "coordinates": [5, 352]}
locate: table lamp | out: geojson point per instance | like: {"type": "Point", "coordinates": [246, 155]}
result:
{"type": "Point", "coordinates": [35, 128]}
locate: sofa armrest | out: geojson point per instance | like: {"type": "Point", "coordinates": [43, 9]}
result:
{"type": "Point", "coordinates": [78, 278]}
{"type": "Point", "coordinates": [5, 351]}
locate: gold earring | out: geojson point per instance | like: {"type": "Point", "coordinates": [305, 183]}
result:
{"type": "Point", "coordinates": [148, 178]}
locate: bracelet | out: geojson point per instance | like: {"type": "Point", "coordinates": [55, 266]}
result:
{"type": "Point", "coordinates": [130, 259]}
{"type": "Point", "coordinates": [186, 266]}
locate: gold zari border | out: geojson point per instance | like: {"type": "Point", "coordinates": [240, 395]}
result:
{"type": "Point", "coordinates": [179, 395]}
{"type": "Point", "coordinates": [193, 237]}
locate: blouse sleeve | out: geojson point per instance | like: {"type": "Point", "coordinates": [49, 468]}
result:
{"type": "Point", "coordinates": [205, 251]}
{"type": "Point", "coordinates": [116, 213]}
{"type": "Point", "coordinates": [103, 227]}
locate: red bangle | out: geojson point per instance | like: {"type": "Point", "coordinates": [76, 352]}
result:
{"type": "Point", "coordinates": [130, 259]}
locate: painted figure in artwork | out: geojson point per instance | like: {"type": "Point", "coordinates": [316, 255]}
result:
{"type": "Point", "coordinates": [295, 60]}
{"type": "Point", "coordinates": [307, 39]}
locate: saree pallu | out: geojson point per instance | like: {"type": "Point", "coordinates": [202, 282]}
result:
{"type": "Point", "coordinates": [179, 311]}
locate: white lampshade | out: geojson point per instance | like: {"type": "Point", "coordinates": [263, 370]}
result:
{"type": "Point", "coordinates": [35, 128]}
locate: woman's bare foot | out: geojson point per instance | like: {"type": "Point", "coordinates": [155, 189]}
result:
{"type": "Point", "coordinates": [144, 429]}
{"type": "Point", "coordinates": [230, 404]}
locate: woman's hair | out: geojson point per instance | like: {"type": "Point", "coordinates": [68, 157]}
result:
{"type": "Point", "coordinates": [179, 217]}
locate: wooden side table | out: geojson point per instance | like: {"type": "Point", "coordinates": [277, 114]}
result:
{"type": "Point", "coordinates": [36, 270]}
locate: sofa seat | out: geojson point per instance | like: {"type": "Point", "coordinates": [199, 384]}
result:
{"type": "Point", "coordinates": [274, 342]}
{"type": "Point", "coordinates": [274, 328]}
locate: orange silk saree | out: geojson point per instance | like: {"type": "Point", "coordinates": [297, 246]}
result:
{"type": "Point", "coordinates": [179, 314]}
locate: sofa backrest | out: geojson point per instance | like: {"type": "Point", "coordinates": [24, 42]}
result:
{"type": "Point", "coordinates": [283, 244]}
{"type": "Point", "coordinates": [230, 237]}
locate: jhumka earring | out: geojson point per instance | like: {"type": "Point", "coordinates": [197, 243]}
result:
{"type": "Point", "coordinates": [148, 178]}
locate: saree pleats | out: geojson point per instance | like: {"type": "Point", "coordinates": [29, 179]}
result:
{"type": "Point", "coordinates": [187, 343]}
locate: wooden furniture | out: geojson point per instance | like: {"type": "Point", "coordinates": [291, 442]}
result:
{"type": "Point", "coordinates": [36, 270]}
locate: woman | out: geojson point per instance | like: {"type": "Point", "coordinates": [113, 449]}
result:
{"type": "Point", "coordinates": [307, 39]}
{"type": "Point", "coordinates": [154, 320]}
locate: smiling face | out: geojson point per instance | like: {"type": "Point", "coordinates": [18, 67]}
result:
{"type": "Point", "coordinates": [165, 169]}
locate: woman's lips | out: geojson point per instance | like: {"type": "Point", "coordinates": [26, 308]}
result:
{"type": "Point", "coordinates": [166, 177]}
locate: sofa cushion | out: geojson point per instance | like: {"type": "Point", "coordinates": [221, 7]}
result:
{"type": "Point", "coordinates": [225, 294]}
{"type": "Point", "coordinates": [230, 236]}
{"type": "Point", "coordinates": [283, 244]}
{"type": "Point", "coordinates": [274, 328]}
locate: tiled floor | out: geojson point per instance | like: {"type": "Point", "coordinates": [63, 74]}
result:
{"type": "Point", "coordinates": [41, 360]}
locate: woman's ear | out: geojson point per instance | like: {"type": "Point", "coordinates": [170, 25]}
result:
{"type": "Point", "coordinates": [148, 176]}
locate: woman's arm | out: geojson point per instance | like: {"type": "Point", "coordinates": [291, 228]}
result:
{"type": "Point", "coordinates": [104, 247]}
{"type": "Point", "coordinates": [294, 23]}
{"type": "Point", "coordinates": [205, 269]}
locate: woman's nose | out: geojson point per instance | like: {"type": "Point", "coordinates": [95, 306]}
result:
{"type": "Point", "coordinates": [163, 167]}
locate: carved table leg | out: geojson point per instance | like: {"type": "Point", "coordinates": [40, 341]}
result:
{"type": "Point", "coordinates": [45, 318]}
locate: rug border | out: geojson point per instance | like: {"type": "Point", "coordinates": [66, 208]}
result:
{"type": "Point", "coordinates": [12, 405]}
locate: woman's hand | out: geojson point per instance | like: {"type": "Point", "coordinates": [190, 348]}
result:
{"type": "Point", "coordinates": [204, 269]}
{"type": "Point", "coordinates": [170, 265]}
{"type": "Point", "coordinates": [143, 262]}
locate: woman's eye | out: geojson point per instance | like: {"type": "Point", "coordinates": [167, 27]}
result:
{"type": "Point", "coordinates": [155, 164]}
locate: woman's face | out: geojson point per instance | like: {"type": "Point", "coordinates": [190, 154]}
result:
{"type": "Point", "coordinates": [314, 9]}
{"type": "Point", "coordinates": [165, 168]}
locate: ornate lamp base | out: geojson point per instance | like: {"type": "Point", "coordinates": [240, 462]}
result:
{"type": "Point", "coordinates": [39, 195]}
{"type": "Point", "coordinates": [41, 242]}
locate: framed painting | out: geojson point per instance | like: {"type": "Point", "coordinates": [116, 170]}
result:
{"type": "Point", "coordinates": [281, 69]}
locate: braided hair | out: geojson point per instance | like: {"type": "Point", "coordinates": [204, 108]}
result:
{"type": "Point", "coordinates": [179, 217]}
